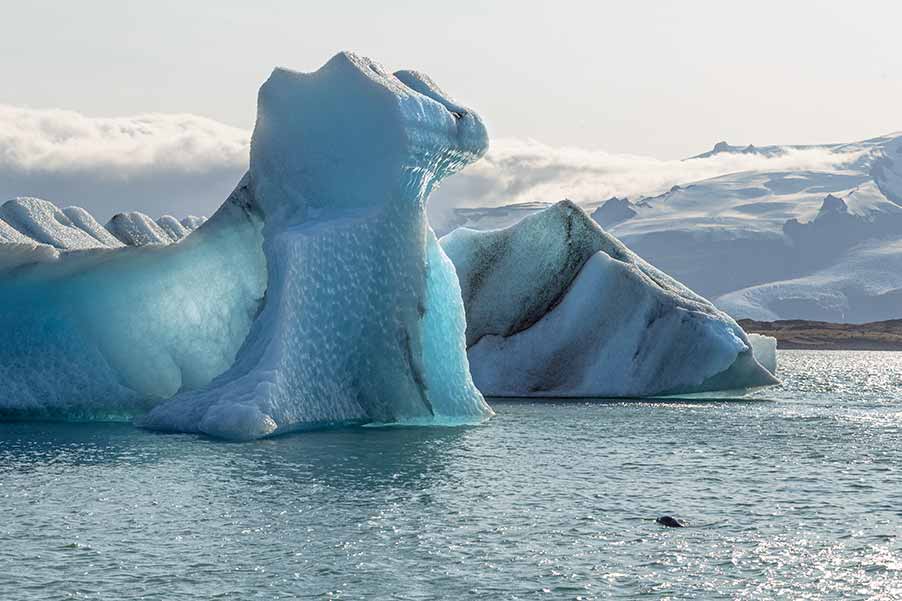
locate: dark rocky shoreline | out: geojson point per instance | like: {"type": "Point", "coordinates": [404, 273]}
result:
{"type": "Point", "coordinates": [822, 335]}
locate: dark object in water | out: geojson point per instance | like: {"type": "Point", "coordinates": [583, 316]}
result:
{"type": "Point", "coordinates": [670, 522]}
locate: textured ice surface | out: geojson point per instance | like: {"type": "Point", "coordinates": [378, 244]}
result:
{"type": "Point", "coordinates": [173, 227]}
{"type": "Point", "coordinates": [43, 222]}
{"type": "Point", "coordinates": [9, 234]}
{"type": "Point", "coordinates": [86, 222]}
{"type": "Point", "coordinates": [556, 306]}
{"type": "Point", "coordinates": [39, 222]}
{"type": "Point", "coordinates": [137, 229]}
{"type": "Point", "coordinates": [362, 320]}
{"type": "Point", "coordinates": [192, 222]}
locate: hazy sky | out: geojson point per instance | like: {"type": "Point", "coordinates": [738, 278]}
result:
{"type": "Point", "coordinates": [666, 79]}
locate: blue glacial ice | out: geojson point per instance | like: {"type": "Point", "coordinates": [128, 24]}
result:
{"type": "Point", "coordinates": [558, 307]}
{"type": "Point", "coordinates": [108, 332]}
{"type": "Point", "coordinates": [316, 295]}
{"type": "Point", "coordinates": [362, 320]}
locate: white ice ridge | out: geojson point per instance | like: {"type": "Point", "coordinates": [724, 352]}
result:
{"type": "Point", "coordinates": [765, 350]}
{"type": "Point", "coordinates": [39, 222]}
{"type": "Point", "coordinates": [557, 307]}
{"type": "Point", "coordinates": [137, 229]}
{"type": "Point", "coordinates": [317, 294]}
{"type": "Point", "coordinates": [44, 223]}
{"type": "Point", "coordinates": [173, 227]}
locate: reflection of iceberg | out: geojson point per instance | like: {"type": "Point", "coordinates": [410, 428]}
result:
{"type": "Point", "coordinates": [317, 293]}
{"type": "Point", "coordinates": [557, 307]}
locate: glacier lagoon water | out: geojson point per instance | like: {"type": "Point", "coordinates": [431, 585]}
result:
{"type": "Point", "coordinates": [794, 491]}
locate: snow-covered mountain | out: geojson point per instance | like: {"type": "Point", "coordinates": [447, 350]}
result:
{"type": "Point", "coordinates": [769, 244]}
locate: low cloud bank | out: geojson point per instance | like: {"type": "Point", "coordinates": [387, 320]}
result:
{"type": "Point", "coordinates": [522, 171]}
{"type": "Point", "coordinates": [156, 163]}
{"type": "Point", "coordinates": [181, 164]}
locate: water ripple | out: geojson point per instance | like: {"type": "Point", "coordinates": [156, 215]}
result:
{"type": "Point", "coordinates": [795, 498]}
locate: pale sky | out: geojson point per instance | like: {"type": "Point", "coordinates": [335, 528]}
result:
{"type": "Point", "coordinates": [663, 79]}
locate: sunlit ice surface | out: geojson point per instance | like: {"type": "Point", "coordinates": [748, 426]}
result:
{"type": "Point", "coordinates": [789, 492]}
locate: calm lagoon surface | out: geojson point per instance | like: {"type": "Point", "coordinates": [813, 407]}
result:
{"type": "Point", "coordinates": [791, 492]}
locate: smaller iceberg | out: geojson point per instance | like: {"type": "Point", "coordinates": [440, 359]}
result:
{"type": "Point", "coordinates": [558, 307]}
{"type": "Point", "coordinates": [765, 350]}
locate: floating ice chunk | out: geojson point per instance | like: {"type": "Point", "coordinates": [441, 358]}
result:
{"type": "Point", "coordinates": [765, 351]}
{"type": "Point", "coordinates": [362, 321]}
{"type": "Point", "coordinates": [41, 221]}
{"type": "Point", "coordinates": [173, 227]}
{"type": "Point", "coordinates": [137, 229]}
{"type": "Point", "coordinates": [557, 307]}
{"type": "Point", "coordinates": [86, 222]}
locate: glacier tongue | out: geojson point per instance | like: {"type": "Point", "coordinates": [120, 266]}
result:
{"type": "Point", "coordinates": [362, 320]}
{"type": "Point", "coordinates": [558, 307]}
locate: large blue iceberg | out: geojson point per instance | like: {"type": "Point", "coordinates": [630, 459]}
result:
{"type": "Point", "coordinates": [316, 295]}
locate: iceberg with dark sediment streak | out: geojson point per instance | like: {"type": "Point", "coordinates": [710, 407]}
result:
{"type": "Point", "coordinates": [558, 307]}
